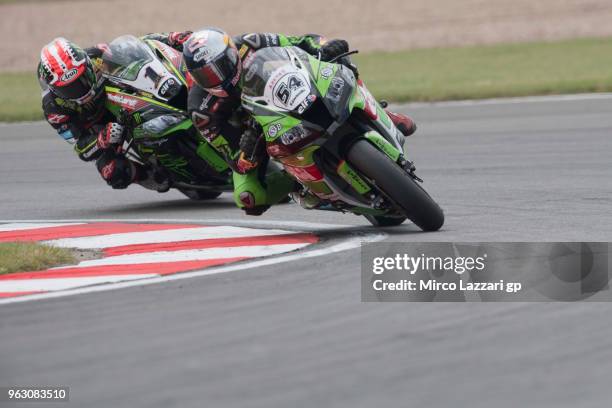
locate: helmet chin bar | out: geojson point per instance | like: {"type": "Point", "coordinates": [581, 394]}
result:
{"type": "Point", "coordinates": [85, 99]}
{"type": "Point", "coordinates": [221, 91]}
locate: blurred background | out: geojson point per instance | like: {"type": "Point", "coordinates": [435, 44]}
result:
{"type": "Point", "coordinates": [408, 48]}
{"type": "Point", "coordinates": [296, 334]}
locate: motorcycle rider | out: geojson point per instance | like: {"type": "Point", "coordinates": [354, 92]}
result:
{"type": "Point", "coordinates": [215, 62]}
{"type": "Point", "coordinates": [73, 101]}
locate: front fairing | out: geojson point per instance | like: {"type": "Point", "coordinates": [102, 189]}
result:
{"type": "Point", "coordinates": [295, 97]}
{"type": "Point", "coordinates": [278, 80]}
{"type": "Point", "coordinates": [305, 125]}
{"type": "Point", "coordinates": [335, 84]}
{"type": "Point", "coordinates": [171, 58]}
{"type": "Point", "coordinates": [129, 61]}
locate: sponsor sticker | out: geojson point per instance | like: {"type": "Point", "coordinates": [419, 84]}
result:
{"type": "Point", "coordinates": [327, 72]}
{"type": "Point", "coordinates": [243, 50]}
{"type": "Point", "coordinates": [202, 54]}
{"type": "Point", "coordinates": [294, 135]}
{"type": "Point", "coordinates": [166, 87]}
{"type": "Point", "coordinates": [274, 129]}
{"type": "Point", "coordinates": [306, 104]}
{"type": "Point", "coordinates": [56, 119]}
{"type": "Point", "coordinates": [205, 102]}
{"type": "Point", "coordinates": [290, 91]}
{"type": "Point", "coordinates": [122, 100]}
{"type": "Point", "coordinates": [335, 89]}
{"type": "Point", "coordinates": [69, 76]}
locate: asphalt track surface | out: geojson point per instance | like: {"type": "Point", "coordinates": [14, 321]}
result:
{"type": "Point", "coordinates": [296, 334]}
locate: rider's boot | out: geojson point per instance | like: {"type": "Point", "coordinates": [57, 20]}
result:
{"type": "Point", "coordinates": [403, 123]}
{"type": "Point", "coordinates": [306, 200]}
{"type": "Point", "coordinates": [251, 195]}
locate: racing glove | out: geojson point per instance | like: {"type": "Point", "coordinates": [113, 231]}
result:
{"type": "Point", "coordinates": [177, 38]}
{"type": "Point", "coordinates": [252, 150]}
{"type": "Point", "coordinates": [333, 48]}
{"type": "Point", "coordinates": [111, 136]}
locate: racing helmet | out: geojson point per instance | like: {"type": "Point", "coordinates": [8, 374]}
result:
{"type": "Point", "coordinates": [213, 61]}
{"type": "Point", "coordinates": [68, 72]}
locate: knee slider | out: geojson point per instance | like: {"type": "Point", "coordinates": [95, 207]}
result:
{"type": "Point", "coordinates": [118, 172]}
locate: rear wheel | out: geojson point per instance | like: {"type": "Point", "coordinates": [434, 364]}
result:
{"type": "Point", "coordinates": [402, 189]}
{"type": "Point", "coordinates": [200, 195]}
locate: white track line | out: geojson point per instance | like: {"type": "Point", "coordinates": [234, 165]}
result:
{"type": "Point", "coordinates": [155, 237]}
{"type": "Point", "coordinates": [19, 226]}
{"type": "Point", "coordinates": [51, 284]}
{"type": "Point", "coordinates": [350, 243]}
{"type": "Point", "coordinates": [191, 255]}
{"type": "Point", "coordinates": [303, 226]}
{"type": "Point", "coordinates": [507, 101]}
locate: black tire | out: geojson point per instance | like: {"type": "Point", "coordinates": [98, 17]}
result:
{"type": "Point", "coordinates": [200, 195]}
{"type": "Point", "coordinates": [420, 208]}
{"type": "Point", "coordinates": [382, 221]}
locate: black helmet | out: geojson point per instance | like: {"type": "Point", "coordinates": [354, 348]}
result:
{"type": "Point", "coordinates": [67, 71]}
{"type": "Point", "coordinates": [212, 60]}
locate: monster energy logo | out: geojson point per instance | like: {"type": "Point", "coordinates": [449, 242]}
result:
{"type": "Point", "coordinates": [137, 118]}
{"type": "Point", "coordinates": [177, 165]}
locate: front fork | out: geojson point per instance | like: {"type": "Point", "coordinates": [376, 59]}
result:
{"type": "Point", "coordinates": [378, 201]}
{"type": "Point", "coordinates": [362, 187]}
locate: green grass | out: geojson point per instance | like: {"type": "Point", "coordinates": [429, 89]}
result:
{"type": "Point", "coordinates": [19, 97]}
{"type": "Point", "coordinates": [583, 65]}
{"type": "Point", "coordinates": [28, 256]}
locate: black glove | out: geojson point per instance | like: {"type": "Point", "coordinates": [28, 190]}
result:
{"type": "Point", "coordinates": [333, 48]}
{"type": "Point", "coordinates": [252, 150]}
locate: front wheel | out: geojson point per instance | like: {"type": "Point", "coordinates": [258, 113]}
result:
{"type": "Point", "coordinates": [382, 221]}
{"type": "Point", "coordinates": [396, 184]}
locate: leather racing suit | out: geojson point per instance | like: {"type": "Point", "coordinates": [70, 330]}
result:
{"type": "Point", "coordinates": [83, 125]}
{"type": "Point", "coordinates": [223, 122]}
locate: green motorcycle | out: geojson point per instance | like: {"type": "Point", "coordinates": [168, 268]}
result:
{"type": "Point", "coordinates": [147, 92]}
{"type": "Point", "coordinates": [330, 134]}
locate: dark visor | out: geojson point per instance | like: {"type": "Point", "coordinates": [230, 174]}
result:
{"type": "Point", "coordinates": [217, 72]}
{"type": "Point", "coordinates": [75, 89]}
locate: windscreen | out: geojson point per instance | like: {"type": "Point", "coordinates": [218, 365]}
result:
{"type": "Point", "coordinates": [125, 57]}
{"type": "Point", "coordinates": [266, 62]}
{"type": "Point", "coordinates": [279, 77]}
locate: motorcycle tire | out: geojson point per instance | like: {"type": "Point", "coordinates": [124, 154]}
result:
{"type": "Point", "coordinates": [198, 195]}
{"type": "Point", "coordinates": [382, 221]}
{"type": "Point", "coordinates": [402, 189]}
